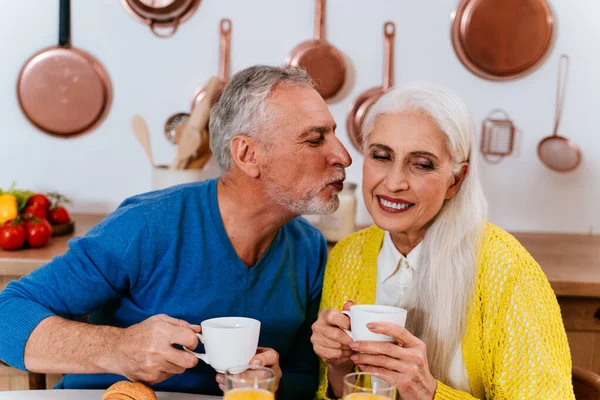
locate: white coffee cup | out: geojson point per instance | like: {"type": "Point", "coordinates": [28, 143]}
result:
{"type": "Point", "coordinates": [229, 342]}
{"type": "Point", "coordinates": [361, 315]}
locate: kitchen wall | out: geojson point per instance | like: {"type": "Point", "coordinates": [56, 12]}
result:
{"type": "Point", "coordinates": [157, 77]}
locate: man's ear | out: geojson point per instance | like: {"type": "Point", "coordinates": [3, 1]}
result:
{"type": "Point", "coordinates": [243, 154]}
{"type": "Point", "coordinates": [458, 180]}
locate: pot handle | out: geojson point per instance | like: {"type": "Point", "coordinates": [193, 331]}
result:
{"type": "Point", "coordinates": [165, 35]}
{"type": "Point", "coordinates": [561, 84]}
{"type": "Point", "coordinates": [320, 20]}
{"type": "Point", "coordinates": [224, 49]}
{"type": "Point", "coordinates": [64, 23]}
{"type": "Point", "coordinates": [389, 33]}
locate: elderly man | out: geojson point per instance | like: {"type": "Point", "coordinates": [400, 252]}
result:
{"type": "Point", "coordinates": [165, 261]}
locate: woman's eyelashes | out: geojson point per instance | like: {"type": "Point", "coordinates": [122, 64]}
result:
{"type": "Point", "coordinates": [380, 156]}
{"type": "Point", "coordinates": [420, 163]}
{"type": "Point", "coordinates": [424, 165]}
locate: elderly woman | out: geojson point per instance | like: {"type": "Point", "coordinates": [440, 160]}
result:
{"type": "Point", "coordinates": [483, 322]}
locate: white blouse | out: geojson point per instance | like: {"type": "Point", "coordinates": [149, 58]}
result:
{"type": "Point", "coordinates": [394, 283]}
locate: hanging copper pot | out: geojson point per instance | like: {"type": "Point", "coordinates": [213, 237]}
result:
{"type": "Point", "coordinates": [323, 62]}
{"type": "Point", "coordinates": [364, 101]}
{"type": "Point", "coordinates": [502, 40]}
{"type": "Point", "coordinates": [62, 90]}
{"type": "Point", "coordinates": [161, 14]}
{"type": "Point", "coordinates": [225, 27]}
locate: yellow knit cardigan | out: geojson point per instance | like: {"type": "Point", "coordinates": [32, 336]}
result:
{"type": "Point", "coordinates": [514, 347]}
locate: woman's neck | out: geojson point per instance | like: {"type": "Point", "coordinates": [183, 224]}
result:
{"type": "Point", "coordinates": [405, 242]}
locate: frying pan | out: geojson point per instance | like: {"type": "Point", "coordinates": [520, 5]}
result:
{"type": "Point", "coordinates": [225, 44]}
{"type": "Point", "coordinates": [557, 152]}
{"type": "Point", "coordinates": [502, 40]}
{"type": "Point", "coordinates": [363, 102]}
{"type": "Point", "coordinates": [62, 90]}
{"type": "Point", "coordinates": [161, 14]}
{"type": "Point", "coordinates": [323, 62]}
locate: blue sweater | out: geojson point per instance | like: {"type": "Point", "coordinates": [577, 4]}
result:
{"type": "Point", "coordinates": [168, 252]}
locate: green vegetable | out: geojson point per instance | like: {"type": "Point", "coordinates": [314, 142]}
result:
{"type": "Point", "coordinates": [21, 195]}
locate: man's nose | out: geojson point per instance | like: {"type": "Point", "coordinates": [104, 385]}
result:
{"type": "Point", "coordinates": [339, 155]}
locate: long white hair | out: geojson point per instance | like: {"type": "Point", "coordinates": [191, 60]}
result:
{"type": "Point", "coordinates": [445, 279]}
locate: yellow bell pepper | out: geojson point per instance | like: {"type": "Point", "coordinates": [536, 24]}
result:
{"type": "Point", "coordinates": [8, 208]}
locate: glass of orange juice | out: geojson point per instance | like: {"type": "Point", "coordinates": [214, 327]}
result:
{"type": "Point", "coordinates": [367, 386]}
{"type": "Point", "coordinates": [250, 382]}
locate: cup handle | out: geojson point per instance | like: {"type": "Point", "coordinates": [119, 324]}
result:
{"type": "Point", "coordinates": [348, 332]}
{"type": "Point", "coordinates": [203, 357]}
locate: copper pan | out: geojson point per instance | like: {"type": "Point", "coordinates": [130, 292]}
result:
{"type": "Point", "coordinates": [62, 90]}
{"type": "Point", "coordinates": [502, 40]}
{"type": "Point", "coordinates": [323, 62]}
{"type": "Point", "coordinates": [161, 14]}
{"type": "Point", "coordinates": [224, 54]}
{"type": "Point", "coordinates": [364, 101]}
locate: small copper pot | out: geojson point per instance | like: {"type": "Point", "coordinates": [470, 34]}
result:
{"type": "Point", "coordinates": [365, 100]}
{"type": "Point", "coordinates": [225, 28]}
{"type": "Point", "coordinates": [323, 62]}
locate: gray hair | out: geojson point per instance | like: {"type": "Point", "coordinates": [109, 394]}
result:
{"type": "Point", "coordinates": [445, 279]}
{"type": "Point", "coordinates": [242, 106]}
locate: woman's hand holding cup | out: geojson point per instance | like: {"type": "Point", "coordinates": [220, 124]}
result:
{"type": "Point", "coordinates": [329, 340]}
{"type": "Point", "coordinates": [331, 344]}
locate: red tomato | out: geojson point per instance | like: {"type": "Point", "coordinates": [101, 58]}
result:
{"type": "Point", "coordinates": [39, 199]}
{"type": "Point", "coordinates": [12, 236]}
{"type": "Point", "coordinates": [37, 210]}
{"type": "Point", "coordinates": [39, 232]}
{"type": "Point", "coordinates": [59, 215]}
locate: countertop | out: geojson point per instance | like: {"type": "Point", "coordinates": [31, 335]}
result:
{"type": "Point", "coordinates": [87, 395]}
{"type": "Point", "coordinates": [570, 261]}
{"type": "Point", "coordinates": [22, 262]}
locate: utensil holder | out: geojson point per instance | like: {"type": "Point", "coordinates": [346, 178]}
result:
{"type": "Point", "coordinates": [164, 177]}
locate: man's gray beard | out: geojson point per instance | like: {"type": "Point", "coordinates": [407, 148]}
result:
{"type": "Point", "coordinates": [307, 205]}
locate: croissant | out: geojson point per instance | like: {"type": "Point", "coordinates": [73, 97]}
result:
{"type": "Point", "coordinates": [126, 390]}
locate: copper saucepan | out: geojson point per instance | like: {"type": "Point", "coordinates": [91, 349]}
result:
{"type": "Point", "coordinates": [224, 53]}
{"type": "Point", "coordinates": [323, 62]}
{"type": "Point", "coordinates": [161, 14]}
{"type": "Point", "coordinates": [363, 102]}
{"type": "Point", "coordinates": [62, 90]}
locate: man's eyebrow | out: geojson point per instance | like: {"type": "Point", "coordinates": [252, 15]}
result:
{"type": "Point", "coordinates": [316, 128]}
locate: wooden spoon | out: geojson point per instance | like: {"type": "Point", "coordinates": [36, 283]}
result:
{"type": "Point", "coordinates": [141, 133]}
{"type": "Point", "coordinates": [190, 140]}
{"type": "Point", "coordinates": [203, 153]}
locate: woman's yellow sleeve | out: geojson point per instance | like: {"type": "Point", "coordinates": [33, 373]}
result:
{"type": "Point", "coordinates": [529, 356]}
{"type": "Point", "coordinates": [523, 351]}
{"type": "Point", "coordinates": [329, 299]}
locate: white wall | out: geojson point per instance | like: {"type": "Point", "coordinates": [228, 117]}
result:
{"type": "Point", "coordinates": [157, 77]}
